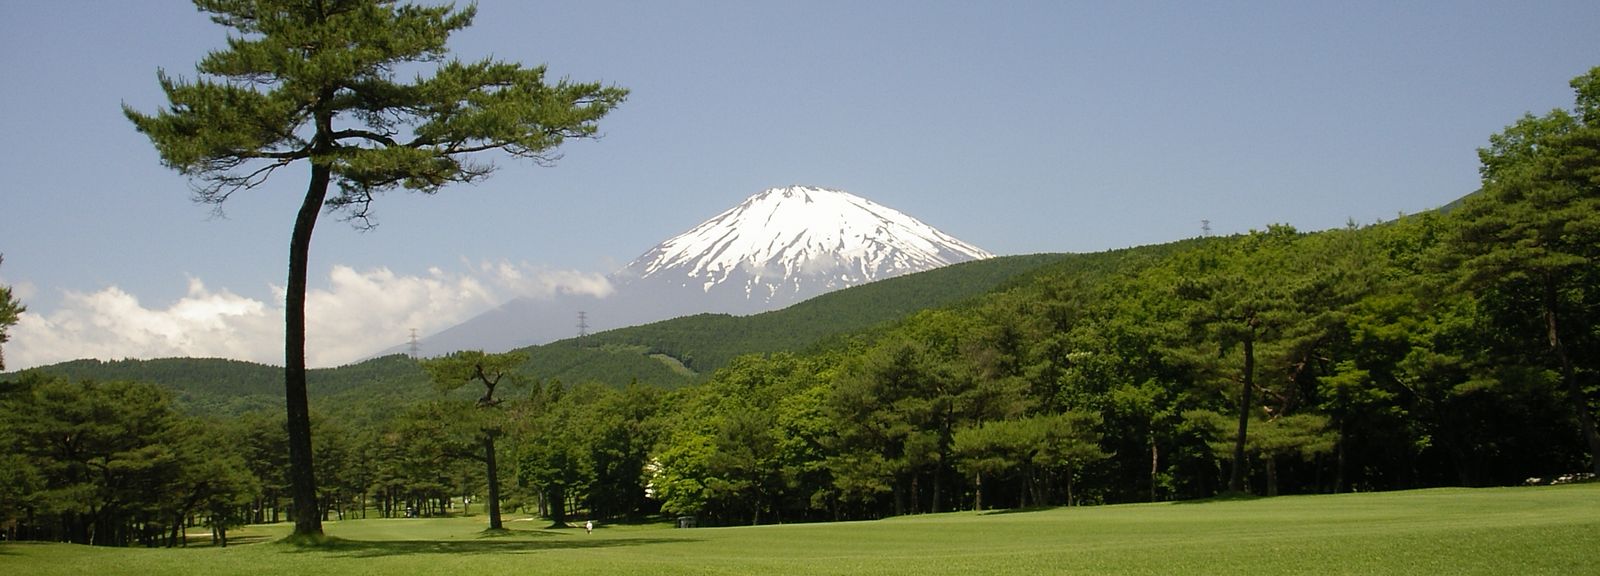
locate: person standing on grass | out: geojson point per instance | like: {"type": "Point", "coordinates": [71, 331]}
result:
{"type": "Point", "coordinates": [588, 527]}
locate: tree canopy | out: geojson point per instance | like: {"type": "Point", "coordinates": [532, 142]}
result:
{"type": "Point", "coordinates": [10, 308]}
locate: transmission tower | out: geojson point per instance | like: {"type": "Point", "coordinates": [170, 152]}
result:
{"type": "Point", "coordinates": [1205, 228]}
{"type": "Point", "coordinates": [583, 324]}
{"type": "Point", "coordinates": [415, 349]}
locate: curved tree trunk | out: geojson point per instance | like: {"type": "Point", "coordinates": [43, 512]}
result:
{"type": "Point", "coordinates": [302, 479]}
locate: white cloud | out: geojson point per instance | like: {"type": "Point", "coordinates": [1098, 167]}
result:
{"type": "Point", "coordinates": [356, 314]}
{"type": "Point", "coordinates": [538, 282]}
{"type": "Point", "coordinates": [111, 324]}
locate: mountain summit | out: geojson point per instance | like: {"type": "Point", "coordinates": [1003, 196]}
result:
{"type": "Point", "coordinates": [774, 249]}
{"type": "Point", "coordinates": [788, 244]}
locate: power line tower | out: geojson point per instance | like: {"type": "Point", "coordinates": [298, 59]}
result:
{"type": "Point", "coordinates": [1205, 228]}
{"type": "Point", "coordinates": [583, 324]}
{"type": "Point", "coordinates": [415, 349]}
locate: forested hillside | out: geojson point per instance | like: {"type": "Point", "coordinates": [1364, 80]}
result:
{"type": "Point", "coordinates": [644, 354]}
{"type": "Point", "coordinates": [705, 342]}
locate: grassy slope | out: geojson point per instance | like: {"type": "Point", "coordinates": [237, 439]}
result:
{"type": "Point", "coordinates": [1544, 530]}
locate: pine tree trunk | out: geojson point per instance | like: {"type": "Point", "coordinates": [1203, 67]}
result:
{"type": "Point", "coordinates": [1338, 473]}
{"type": "Point", "coordinates": [494, 482]}
{"type": "Point", "coordinates": [1272, 475]}
{"type": "Point", "coordinates": [1155, 467]}
{"type": "Point", "coordinates": [558, 506]}
{"type": "Point", "coordinates": [899, 499]}
{"type": "Point", "coordinates": [1580, 401]}
{"type": "Point", "coordinates": [1069, 487]}
{"type": "Point", "coordinates": [302, 478]}
{"type": "Point", "coordinates": [1236, 477]}
{"type": "Point", "coordinates": [978, 491]}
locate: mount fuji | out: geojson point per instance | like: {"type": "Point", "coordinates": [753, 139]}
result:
{"type": "Point", "coordinates": [776, 248]}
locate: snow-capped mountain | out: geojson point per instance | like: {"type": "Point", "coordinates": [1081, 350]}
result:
{"type": "Point", "coordinates": [776, 248]}
{"type": "Point", "coordinates": [787, 244]}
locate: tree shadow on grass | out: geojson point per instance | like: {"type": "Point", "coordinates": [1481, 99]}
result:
{"type": "Point", "coordinates": [489, 544]}
{"type": "Point", "coordinates": [1004, 511]}
{"type": "Point", "coordinates": [1223, 497]}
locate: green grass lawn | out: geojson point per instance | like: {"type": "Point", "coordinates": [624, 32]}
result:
{"type": "Point", "coordinates": [1539, 530]}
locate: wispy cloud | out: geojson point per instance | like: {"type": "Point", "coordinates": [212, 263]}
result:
{"type": "Point", "coordinates": [356, 314]}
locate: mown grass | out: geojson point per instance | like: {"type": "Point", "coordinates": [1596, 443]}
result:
{"type": "Point", "coordinates": [1543, 530]}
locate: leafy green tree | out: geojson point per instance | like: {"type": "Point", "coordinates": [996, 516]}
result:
{"type": "Point", "coordinates": [1531, 238]}
{"type": "Point", "coordinates": [9, 309]}
{"type": "Point", "coordinates": [1305, 435]}
{"type": "Point", "coordinates": [421, 450]}
{"type": "Point", "coordinates": [102, 457]}
{"type": "Point", "coordinates": [553, 458]}
{"type": "Point", "coordinates": [263, 439]}
{"type": "Point", "coordinates": [898, 404]}
{"type": "Point", "coordinates": [334, 453]}
{"type": "Point", "coordinates": [214, 482]}
{"type": "Point", "coordinates": [803, 432]}
{"type": "Point", "coordinates": [1034, 449]}
{"type": "Point", "coordinates": [877, 403]}
{"type": "Point", "coordinates": [622, 430]}
{"type": "Point", "coordinates": [724, 453]}
{"type": "Point", "coordinates": [462, 368]}
{"type": "Point", "coordinates": [315, 81]}
{"type": "Point", "coordinates": [1239, 300]}
{"type": "Point", "coordinates": [990, 450]}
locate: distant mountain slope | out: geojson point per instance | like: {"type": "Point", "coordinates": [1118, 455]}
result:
{"type": "Point", "coordinates": [706, 342]}
{"type": "Point", "coordinates": [648, 354]}
{"type": "Point", "coordinates": [220, 387]}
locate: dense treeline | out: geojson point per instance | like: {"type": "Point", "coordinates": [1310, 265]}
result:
{"type": "Point", "coordinates": [113, 464]}
{"type": "Point", "coordinates": [1442, 349]}
{"type": "Point", "coordinates": [1450, 348]}
{"type": "Point", "coordinates": [116, 464]}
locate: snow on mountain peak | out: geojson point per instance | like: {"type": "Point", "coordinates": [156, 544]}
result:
{"type": "Point", "coordinates": [800, 241]}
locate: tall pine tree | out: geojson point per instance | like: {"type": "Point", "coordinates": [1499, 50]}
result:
{"type": "Point", "coordinates": [315, 81]}
{"type": "Point", "coordinates": [1531, 238]}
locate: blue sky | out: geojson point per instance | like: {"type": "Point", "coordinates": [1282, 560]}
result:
{"type": "Point", "coordinates": [1020, 127]}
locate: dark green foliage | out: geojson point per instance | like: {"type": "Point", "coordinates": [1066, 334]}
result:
{"type": "Point", "coordinates": [228, 388]}
{"type": "Point", "coordinates": [210, 386]}
{"type": "Point", "coordinates": [112, 465]}
{"type": "Point", "coordinates": [9, 309]}
{"type": "Point", "coordinates": [587, 447]}
{"type": "Point", "coordinates": [462, 369]}
{"type": "Point", "coordinates": [614, 365]}
{"type": "Point", "coordinates": [706, 342]}
{"type": "Point", "coordinates": [1529, 244]}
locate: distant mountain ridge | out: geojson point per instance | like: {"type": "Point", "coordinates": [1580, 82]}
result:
{"type": "Point", "coordinates": [776, 248]}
